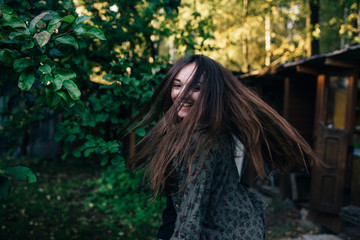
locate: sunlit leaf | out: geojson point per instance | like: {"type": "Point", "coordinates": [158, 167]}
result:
{"type": "Point", "coordinates": [42, 38]}
{"type": "Point", "coordinates": [65, 74]}
{"type": "Point", "coordinates": [68, 19]}
{"type": "Point", "coordinates": [89, 30]}
{"type": "Point", "coordinates": [81, 19]}
{"type": "Point", "coordinates": [67, 39]}
{"type": "Point", "coordinates": [36, 20]}
{"type": "Point", "coordinates": [21, 173]}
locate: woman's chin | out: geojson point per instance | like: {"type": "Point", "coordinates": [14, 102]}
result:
{"type": "Point", "coordinates": [182, 114]}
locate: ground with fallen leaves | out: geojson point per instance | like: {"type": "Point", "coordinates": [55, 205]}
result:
{"type": "Point", "coordinates": [287, 220]}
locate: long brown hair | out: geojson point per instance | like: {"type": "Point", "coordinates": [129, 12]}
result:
{"type": "Point", "coordinates": [224, 105]}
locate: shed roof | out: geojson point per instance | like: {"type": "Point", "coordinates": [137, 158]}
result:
{"type": "Point", "coordinates": [340, 60]}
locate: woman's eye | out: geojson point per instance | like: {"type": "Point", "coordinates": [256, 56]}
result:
{"type": "Point", "coordinates": [175, 85]}
{"type": "Point", "coordinates": [197, 89]}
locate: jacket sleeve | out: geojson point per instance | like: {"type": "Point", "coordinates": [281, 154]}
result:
{"type": "Point", "coordinates": [193, 199]}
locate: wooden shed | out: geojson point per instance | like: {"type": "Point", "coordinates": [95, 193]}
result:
{"type": "Point", "coordinates": [320, 96]}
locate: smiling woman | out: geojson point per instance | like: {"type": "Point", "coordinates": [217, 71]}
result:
{"type": "Point", "coordinates": [210, 126]}
{"type": "Point", "coordinates": [181, 81]}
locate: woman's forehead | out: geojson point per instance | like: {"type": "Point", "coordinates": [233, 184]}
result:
{"type": "Point", "coordinates": [186, 73]}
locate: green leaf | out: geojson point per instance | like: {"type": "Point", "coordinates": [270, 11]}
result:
{"type": "Point", "coordinates": [45, 69]}
{"type": "Point", "coordinates": [89, 30]}
{"type": "Point", "coordinates": [15, 54]}
{"type": "Point", "coordinates": [140, 132]}
{"type": "Point", "coordinates": [5, 57]}
{"type": "Point", "coordinates": [55, 53]}
{"type": "Point", "coordinates": [44, 58]}
{"type": "Point", "coordinates": [88, 151]}
{"type": "Point", "coordinates": [36, 20]}
{"type": "Point", "coordinates": [12, 21]}
{"type": "Point", "coordinates": [104, 161]}
{"type": "Point", "coordinates": [41, 24]}
{"type": "Point", "coordinates": [67, 39]}
{"type": "Point", "coordinates": [26, 79]}
{"type": "Point", "coordinates": [117, 160]}
{"type": "Point", "coordinates": [18, 33]}
{"type": "Point", "coordinates": [79, 109]}
{"type": "Point", "coordinates": [21, 173]}
{"type": "Point", "coordinates": [64, 95]}
{"type": "Point", "coordinates": [76, 152]}
{"type": "Point", "coordinates": [68, 19]}
{"type": "Point", "coordinates": [72, 89]}
{"type": "Point", "coordinates": [47, 79]}
{"type": "Point", "coordinates": [57, 82]}
{"type": "Point", "coordinates": [5, 186]}
{"type": "Point", "coordinates": [65, 74]}
{"type": "Point", "coordinates": [6, 9]}
{"type": "Point", "coordinates": [54, 23]}
{"type": "Point", "coordinates": [82, 19]}
{"type": "Point", "coordinates": [21, 63]}
{"type": "Point", "coordinates": [27, 45]}
{"type": "Point", "coordinates": [42, 38]}
{"type": "Point", "coordinates": [102, 117]}
{"type": "Point", "coordinates": [52, 99]}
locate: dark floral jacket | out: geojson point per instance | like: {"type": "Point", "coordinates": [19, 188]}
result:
{"type": "Point", "coordinates": [214, 204]}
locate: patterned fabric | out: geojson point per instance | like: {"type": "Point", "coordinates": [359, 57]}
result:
{"type": "Point", "coordinates": [214, 204]}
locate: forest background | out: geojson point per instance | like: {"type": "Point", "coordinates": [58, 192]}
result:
{"type": "Point", "coordinates": [89, 66]}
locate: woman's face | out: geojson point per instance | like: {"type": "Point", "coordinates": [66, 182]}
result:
{"type": "Point", "coordinates": [181, 81]}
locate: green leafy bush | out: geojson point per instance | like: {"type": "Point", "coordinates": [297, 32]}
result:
{"type": "Point", "coordinates": [120, 194]}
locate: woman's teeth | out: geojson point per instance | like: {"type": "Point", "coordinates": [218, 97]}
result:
{"type": "Point", "coordinates": [186, 104]}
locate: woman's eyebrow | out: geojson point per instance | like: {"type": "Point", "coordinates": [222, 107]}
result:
{"type": "Point", "coordinates": [178, 80]}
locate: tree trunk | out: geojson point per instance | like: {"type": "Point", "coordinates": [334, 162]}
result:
{"type": "Point", "coordinates": [245, 41]}
{"type": "Point", "coordinates": [312, 44]}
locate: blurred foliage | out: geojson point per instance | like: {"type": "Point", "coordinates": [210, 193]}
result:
{"type": "Point", "coordinates": [238, 28]}
{"type": "Point", "coordinates": [76, 201]}
{"type": "Point", "coordinates": [343, 17]}
{"type": "Point", "coordinates": [120, 193]}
